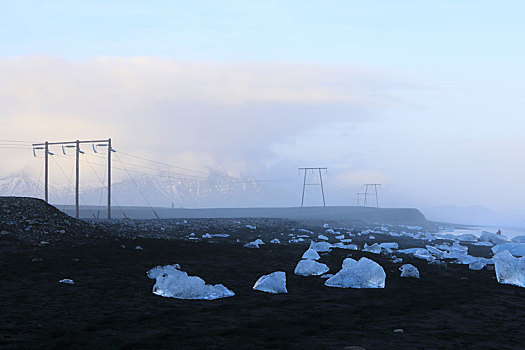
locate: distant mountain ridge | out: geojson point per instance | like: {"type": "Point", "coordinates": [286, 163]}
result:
{"type": "Point", "coordinates": [218, 190]}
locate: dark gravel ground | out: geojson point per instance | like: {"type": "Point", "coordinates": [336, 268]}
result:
{"type": "Point", "coordinates": [111, 304]}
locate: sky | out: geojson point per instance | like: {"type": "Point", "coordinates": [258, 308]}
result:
{"type": "Point", "coordinates": [424, 97]}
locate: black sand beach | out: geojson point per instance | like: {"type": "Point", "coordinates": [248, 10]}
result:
{"type": "Point", "coordinates": [111, 304]}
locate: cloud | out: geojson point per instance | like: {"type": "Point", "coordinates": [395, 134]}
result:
{"type": "Point", "coordinates": [222, 113]}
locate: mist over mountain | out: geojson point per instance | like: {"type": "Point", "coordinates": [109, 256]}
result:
{"type": "Point", "coordinates": [215, 191]}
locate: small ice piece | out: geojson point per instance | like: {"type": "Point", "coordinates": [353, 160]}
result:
{"type": "Point", "coordinates": [483, 243]}
{"type": "Point", "coordinates": [420, 253]}
{"type": "Point", "coordinates": [365, 273]}
{"type": "Point", "coordinates": [310, 268]}
{"type": "Point", "coordinates": [374, 248]}
{"type": "Point", "coordinates": [326, 226]}
{"type": "Point", "coordinates": [259, 241]}
{"type": "Point", "coordinates": [311, 254]}
{"type": "Point", "coordinates": [192, 234]}
{"type": "Point", "coordinates": [510, 270]}
{"type": "Point", "coordinates": [467, 237]}
{"type": "Point", "coordinates": [518, 239]}
{"type": "Point", "coordinates": [397, 261]}
{"type": "Point", "coordinates": [304, 230]}
{"type": "Point", "coordinates": [341, 245]}
{"type": "Point", "coordinates": [66, 281]}
{"type": "Point", "coordinates": [174, 283]}
{"type": "Point", "coordinates": [392, 245]}
{"type": "Point", "coordinates": [327, 275]}
{"type": "Point", "coordinates": [320, 246]}
{"type": "Point", "coordinates": [516, 249]}
{"type": "Point", "coordinates": [434, 251]}
{"type": "Point", "coordinates": [274, 283]}
{"type": "Point", "coordinates": [275, 241]}
{"type": "Point", "coordinates": [221, 235]}
{"type": "Point", "coordinates": [323, 237]}
{"type": "Point", "coordinates": [206, 235]}
{"type": "Point", "coordinates": [330, 231]}
{"type": "Point", "coordinates": [409, 270]}
{"type": "Point", "coordinates": [185, 222]}
{"type": "Point", "coordinates": [251, 245]}
{"type": "Point", "coordinates": [340, 237]}
{"type": "Point", "coordinates": [251, 227]}
{"type": "Point", "coordinates": [372, 237]}
{"type": "Point", "coordinates": [492, 237]}
{"type": "Point", "coordinates": [346, 240]}
{"type": "Point", "coordinates": [139, 248]}
{"type": "Point", "coordinates": [477, 265]}
{"type": "Point", "coordinates": [44, 242]}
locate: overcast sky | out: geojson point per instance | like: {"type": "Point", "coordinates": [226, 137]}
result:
{"type": "Point", "coordinates": [425, 97]}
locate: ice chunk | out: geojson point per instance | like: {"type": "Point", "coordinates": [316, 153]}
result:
{"type": "Point", "coordinates": [340, 237]}
{"type": "Point", "coordinates": [327, 275]}
{"type": "Point", "coordinates": [341, 245]}
{"type": "Point", "coordinates": [372, 237]}
{"type": "Point", "coordinates": [259, 241]}
{"type": "Point", "coordinates": [310, 268]}
{"type": "Point", "coordinates": [330, 231]}
{"type": "Point", "coordinates": [251, 227]}
{"type": "Point", "coordinates": [274, 283]}
{"type": "Point", "coordinates": [275, 241]}
{"type": "Point", "coordinates": [516, 249]}
{"type": "Point", "coordinates": [374, 248]}
{"type": "Point", "coordinates": [397, 261]}
{"type": "Point", "coordinates": [483, 243]}
{"type": "Point", "coordinates": [320, 246]}
{"type": "Point", "coordinates": [311, 254]}
{"type": "Point", "coordinates": [66, 281]}
{"type": "Point", "coordinates": [492, 237]}
{"type": "Point", "coordinates": [206, 236]}
{"type": "Point", "coordinates": [221, 235]}
{"type": "Point", "coordinates": [460, 257]}
{"type": "Point", "coordinates": [510, 270]}
{"type": "Point", "coordinates": [365, 273]}
{"type": "Point", "coordinates": [518, 239]}
{"type": "Point", "coordinates": [326, 226]}
{"type": "Point", "coordinates": [477, 265]}
{"type": "Point", "coordinates": [174, 283]}
{"type": "Point", "coordinates": [467, 237]}
{"type": "Point", "coordinates": [409, 270]}
{"type": "Point", "coordinates": [420, 253]}
{"type": "Point", "coordinates": [139, 248]}
{"type": "Point", "coordinates": [323, 237]}
{"type": "Point", "coordinates": [392, 245]}
{"type": "Point", "coordinates": [251, 245]}
{"type": "Point", "coordinates": [434, 251]}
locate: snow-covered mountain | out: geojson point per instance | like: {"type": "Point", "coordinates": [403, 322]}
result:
{"type": "Point", "coordinates": [214, 191]}
{"type": "Point", "coordinates": [20, 185]}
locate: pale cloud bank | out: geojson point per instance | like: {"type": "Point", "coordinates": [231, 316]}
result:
{"type": "Point", "coordinates": [221, 114]}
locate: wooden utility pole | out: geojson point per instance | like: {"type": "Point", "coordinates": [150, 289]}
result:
{"type": "Point", "coordinates": [109, 178]}
{"type": "Point", "coordinates": [46, 176]}
{"type": "Point", "coordinates": [75, 144]}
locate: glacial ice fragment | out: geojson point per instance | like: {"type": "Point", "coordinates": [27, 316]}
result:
{"type": "Point", "coordinates": [516, 249]}
{"type": "Point", "coordinates": [311, 254]}
{"type": "Point", "coordinates": [320, 246]}
{"type": "Point", "coordinates": [365, 273]}
{"type": "Point", "coordinates": [509, 270]}
{"type": "Point", "coordinates": [174, 283]}
{"type": "Point", "coordinates": [409, 270]}
{"type": "Point", "coordinates": [274, 283]}
{"type": "Point", "coordinates": [310, 267]}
